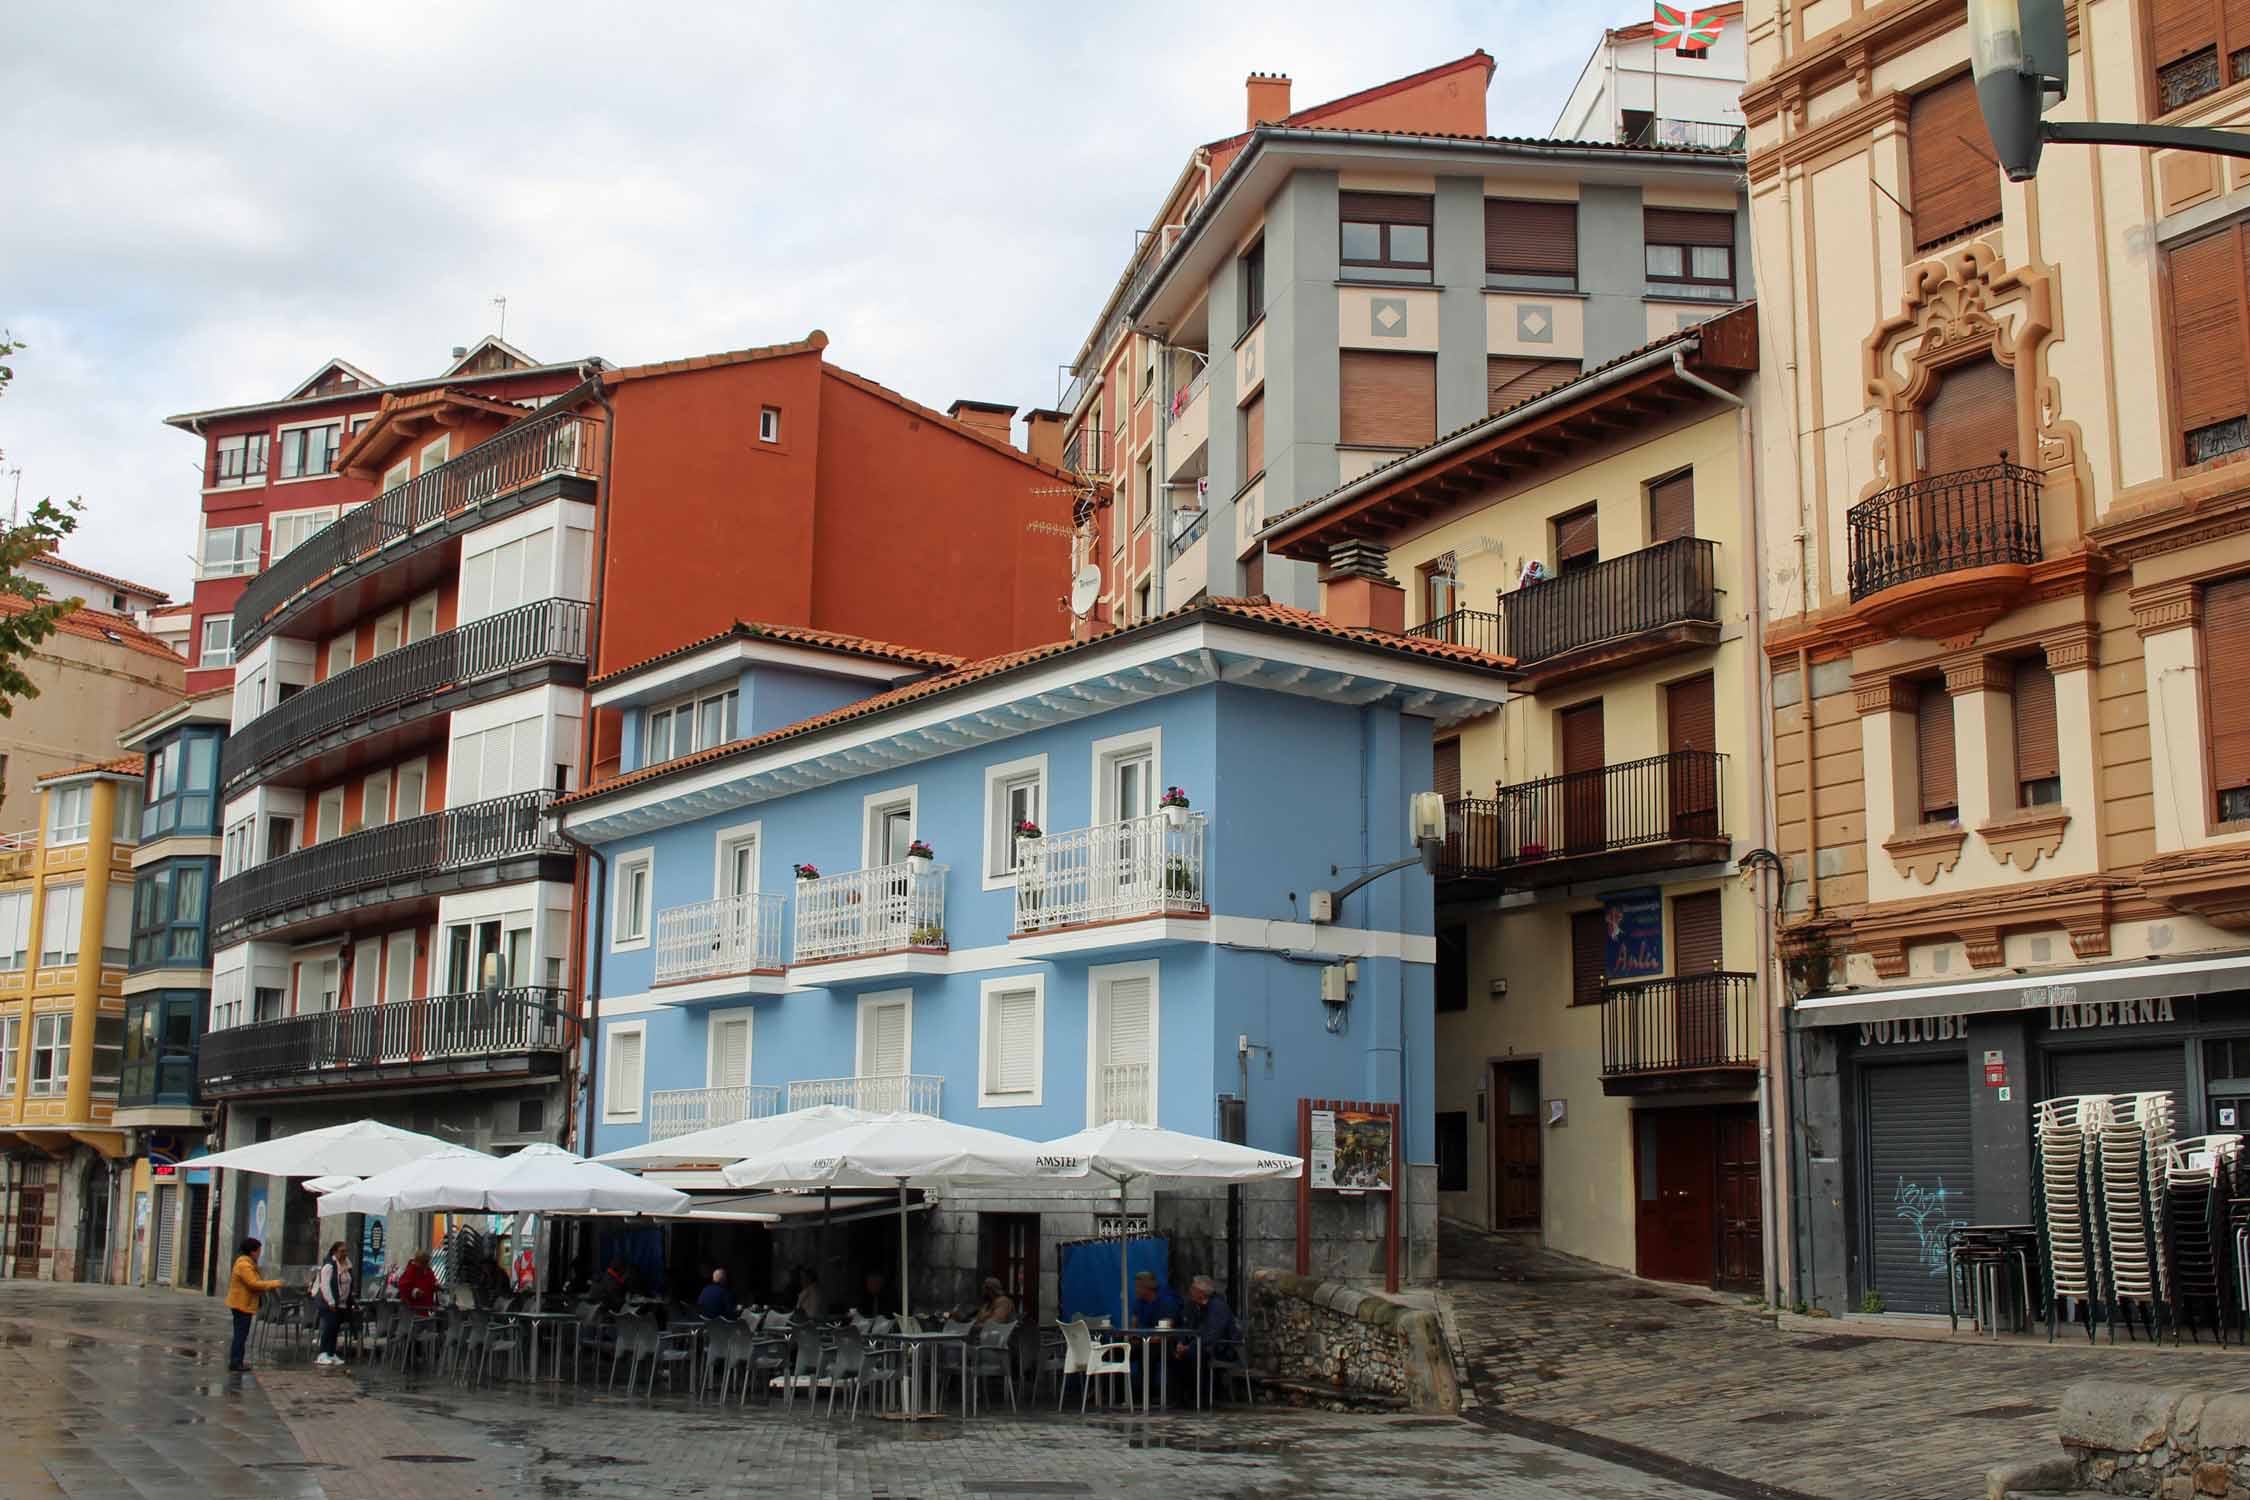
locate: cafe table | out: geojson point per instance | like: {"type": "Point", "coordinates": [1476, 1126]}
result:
{"type": "Point", "coordinates": [914, 1344]}
{"type": "Point", "coordinates": [536, 1324]}
{"type": "Point", "coordinates": [1151, 1356]}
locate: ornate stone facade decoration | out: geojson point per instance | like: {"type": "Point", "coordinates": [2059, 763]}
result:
{"type": "Point", "coordinates": [1882, 693]}
{"type": "Point", "coordinates": [1923, 854]}
{"type": "Point", "coordinates": [2158, 607]}
{"type": "Point", "coordinates": [2022, 838]}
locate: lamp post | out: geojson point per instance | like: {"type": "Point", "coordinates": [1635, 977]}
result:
{"type": "Point", "coordinates": [2020, 54]}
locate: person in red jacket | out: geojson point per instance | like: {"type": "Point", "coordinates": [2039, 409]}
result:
{"type": "Point", "coordinates": [417, 1285]}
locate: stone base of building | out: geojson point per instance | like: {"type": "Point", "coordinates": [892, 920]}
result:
{"type": "Point", "coordinates": [1336, 1346]}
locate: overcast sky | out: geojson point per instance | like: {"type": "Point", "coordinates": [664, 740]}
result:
{"type": "Point", "coordinates": [206, 201]}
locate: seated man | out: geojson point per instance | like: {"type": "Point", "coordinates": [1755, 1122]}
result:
{"type": "Point", "coordinates": [1222, 1332]}
{"type": "Point", "coordinates": [717, 1299]}
{"type": "Point", "coordinates": [1152, 1302]}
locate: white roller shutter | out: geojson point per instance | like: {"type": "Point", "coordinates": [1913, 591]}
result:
{"type": "Point", "coordinates": [476, 587]}
{"type": "Point", "coordinates": [624, 1093]}
{"type": "Point", "coordinates": [882, 1042]}
{"type": "Point", "coordinates": [1125, 1023]}
{"type": "Point", "coordinates": [730, 1053]}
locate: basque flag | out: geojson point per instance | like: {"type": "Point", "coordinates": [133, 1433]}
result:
{"type": "Point", "coordinates": [1686, 29]}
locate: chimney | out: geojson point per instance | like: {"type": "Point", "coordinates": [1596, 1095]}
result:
{"type": "Point", "coordinates": [1360, 590]}
{"type": "Point", "coordinates": [459, 350]}
{"type": "Point", "coordinates": [988, 417]}
{"type": "Point", "coordinates": [1043, 435]}
{"type": "Point", "coordinates": [1269, 98]}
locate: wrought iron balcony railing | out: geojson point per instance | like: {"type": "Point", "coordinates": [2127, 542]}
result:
{"type": "Point", "coordinates": [712, 939]}
{"type": "Point", "coordinates": [1083, 454]}
{"type": "Point", "coordinates": [881, 909]}
{"type": "Point", "coordinates": [1665, 799]}
{"type": "Point", "coordinates": [1708, 135]}
{"type": "Point", "coordinates": [1944, 523]}
{"type": "Point", "coordinates": [883, 1093]}
{"type": "Point", "coordinates": [374, 858]}
{"type": "Point", "coordinates": [1475, 628]}
{"type": "Point", "coordinates": [1671, 583]}
{"type": "Point", "coordinates": [1142, 867]}
{"type": "Point", "coordinates": [1690, 1023]}
{"type": "Point", "coordinates": [675, 1112]}
{"type": "Point", "coordinates": [559, 444]}
{"type": "Point", "coordinates": [549, 631]}
{"type": "Point", "coordinates": [395, 1034]}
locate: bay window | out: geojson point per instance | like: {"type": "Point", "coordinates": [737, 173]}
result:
{"type": "Point", "coordinates": [50, 1054]}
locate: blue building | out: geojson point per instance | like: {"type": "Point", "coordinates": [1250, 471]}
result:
{"type": "Point", "coordinates": [838, 871]}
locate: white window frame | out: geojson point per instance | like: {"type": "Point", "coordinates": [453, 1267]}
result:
{"type": "Point", "coordinates": [420, 766]}
{"type": "Point", "coordinates": [987, 992]}
{"type": "Point", "coordinates": [333, 797]}
{"type": "Point", "coordinates": [11, 1054]}
{"type": "Point", "coordinates": [79, 828]}
{"type": "Point", "coordinates": [16, 946]}
{"type": "Point", "coordinates": [748, 1017]}
{"type": "Point", "coordinates": [1118, 747]}
{"type": "Point", "coordinates": [994, 832]}
{"type": "Point", "coordinates": [297, 523]}
{"type": "Point", "coordinates": [397, 474]}
{"type": "Point", "coordinates": [125, 813]}
{"type": "Point", "coordinates": [769, 424]}
{"type": "Point", "coordinates": [611, 1114]}
{"type": "Point", "coordinates": [692, 707]}
{"type": "Point", "coordinates": [398, 950]}
{"type": "Point", "coordinates": [239, 566]}
{"type": "Point", "coordinates": [723, 845]}
{"type": "Point", "coordinates": [414, 609]}
{"type": "Point", "coordinates": [875, 807]}
{"type": "Point", "coordinates": [222, 655]}
{"type": "Point", "coordinates": [443, 448]}
{"type": "Point", "coordinates": [260, 443]}
{"type": "Point", "coordinates": [395, 623]}
{"type": "Point", "coordinates": [644, 909]}
{"type": "Point", "coordinates": [1099, 977]}
{"type": "Point", "coordinates": [59, 1041]}
{"type": "Point", "coordinates": [282, 436]}
{"type": "Point", "coordinates": [859, 1033]}
{"type": "Point", "coordinates": [375, 811]}
{"type": "Point", "coordinates": [345, 646]}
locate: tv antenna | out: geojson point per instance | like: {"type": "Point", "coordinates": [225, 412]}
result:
{"type": "Point", "coordinates": [501, 302]}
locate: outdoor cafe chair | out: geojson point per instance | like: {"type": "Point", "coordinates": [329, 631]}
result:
{"type": "Point", "coordinates": [1053, 1351]}
{"type": "Point", "coordinates": [807, 1359]}
{"type": "Point", "coordinates": [992, 1352]}
{"type": "Point", "coordinates": [1236, 1365]}
{"type": "Point", "coordinates": [726, 1348]}
{"type": "Point", "coordinates": [1091, 1362]}
{"type": "Point", "coordinates": [768, 1356]}
{"type": "Point", "coordinates": [847, 1365]}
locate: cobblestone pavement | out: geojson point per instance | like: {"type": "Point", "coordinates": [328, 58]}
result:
{"type": "Point", "coordinates": [1559, 1349]}
{"type": "Point", "coordinates": [118, 1394]}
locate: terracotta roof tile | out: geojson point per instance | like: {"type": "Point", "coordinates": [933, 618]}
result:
{"type": "Point", "coordinates": [976, 435]}
{"type": "Point", "coordinates": [793, 635]}
{"type": "Point", "coordinates": [811, 342]}
{"type": "Point", "coordinates": [1257, 609]}
{"type": "Point", "coordinates": [98, 625]}
{"type": "Point", "coordinates": [52, 559]}
{"type": "Point", "coordinates": [123, 765]}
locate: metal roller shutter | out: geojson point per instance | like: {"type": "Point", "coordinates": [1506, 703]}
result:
{"type": "Point", "coordinates": [1530, 238]}
{"type": "Point", "coordinates": [1671, 507]}
{"type": "Point", "coordinates": [161, 1215]}
{"type": "Point", "coordinates": [2121, 1070]}
{"type": "Point", "coordinates": [2037, 752]}
{"type": "Point", "coordinates": [1387, 400]}
{"type": "Point", "coordinates": [1920, 1177]}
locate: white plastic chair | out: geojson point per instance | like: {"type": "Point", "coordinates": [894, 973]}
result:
{"type": "Point", "coordinates": [1091, 1361]}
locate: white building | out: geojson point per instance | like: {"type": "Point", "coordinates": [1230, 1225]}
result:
{"type": "Point", "coordinates": [1634, 90]}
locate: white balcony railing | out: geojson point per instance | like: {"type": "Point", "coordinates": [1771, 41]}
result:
{"type": "Point", "coordinates": [1142, 867]}
{"type": "Point", "coordinates": [883, 1093]}
{"type": "Point", "coordinates": [882, 909]}
{"type": "Point", "coordinates": [1125, 1094]}
{"type": "Point", "coordinates": [673, 1112]}
{"type": "Point", "coordinates": [731, 935]}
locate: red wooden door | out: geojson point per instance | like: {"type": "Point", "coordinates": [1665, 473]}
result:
{"type": "Point", "coordinates": [1517, 1145]}
{"type": "Point", "coordinates": [1742, 1232]}
{"type": "Point", "coordinates": [1699, 1004]}
{"type": "Point", "coordinates": [1677, 1166]}
{"type": "Point", "coordinates": [1585, 802]}
{"type": "Point", "coordinates": [1691, 735]}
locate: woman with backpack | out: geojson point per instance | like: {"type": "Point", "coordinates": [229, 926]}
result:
{"type": "Point", "coordinates": [332, 1289]}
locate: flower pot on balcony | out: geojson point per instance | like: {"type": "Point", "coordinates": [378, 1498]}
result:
{"type": "Point", "coordinates": [1532, 851]}
{"type": "Point", "coordinates": [918, 864]}
{"type": "Point", "coordinates": [1175, 813]}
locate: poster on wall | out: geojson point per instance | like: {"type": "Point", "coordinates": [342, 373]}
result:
{"type": "Point", "coordinates": [258, 1214]}
{"type": "Point", "coordinates": [1633, 934]}
{"type": "Point", "coordinates": [1351, 1150]}
{"type": "Point", "coordinates": [373, 1236]}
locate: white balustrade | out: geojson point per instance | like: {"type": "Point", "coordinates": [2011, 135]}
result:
{"type": "Point", "coordinates": [884, 1093]}
{"type": "Point", "coordinates": [882, 909]}
{"type": "Point", "coordinates": [673, 1112]}
{"type": "Point", "coordinates": [1125, 1093]}
{"type": "Point", "coordinates": [711, 939]}
{"type": "Point", "coordinates": [1141, 867]}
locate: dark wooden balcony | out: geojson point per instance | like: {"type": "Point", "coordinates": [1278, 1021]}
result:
{"type": "Point", "coordinates": [487, 1034]}
{"type": "Point", "coordinates": [368, 712]}
{"type": "Point", "coordinates": [1631, 609]}
{"type": "Point", "coordinates": [1982, 522]}
{"type": "Point", "coordinates": [405, 863]}
{"type": "Point", "coordinates": [429, 510]}
{"type": "Point", "coordinates": [1655, 814]}
{"type": "Point", "coordinates": [1695, 1031]}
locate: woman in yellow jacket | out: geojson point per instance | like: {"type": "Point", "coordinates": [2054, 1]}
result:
{"type": "Point", "coordinates": [243, 1292]}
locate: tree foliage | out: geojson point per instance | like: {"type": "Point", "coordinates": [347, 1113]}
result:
{"type": "Point", "coordinates": [23, 628]}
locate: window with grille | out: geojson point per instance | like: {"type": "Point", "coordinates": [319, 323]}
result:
{"type": "Point", "coordinates": [2196, 47]}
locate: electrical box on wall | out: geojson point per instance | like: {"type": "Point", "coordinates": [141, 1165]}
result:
{"type": "Point", "coordinates": [1320, 906]}
{"type": "Point", "coordinates": [1335, 984]}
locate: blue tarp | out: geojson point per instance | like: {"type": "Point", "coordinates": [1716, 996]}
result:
{"type": "Point", "coordinates": [1088, 1282]}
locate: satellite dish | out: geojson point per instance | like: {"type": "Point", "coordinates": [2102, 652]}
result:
{"type": "Point", "coordinates": [1085, 588]}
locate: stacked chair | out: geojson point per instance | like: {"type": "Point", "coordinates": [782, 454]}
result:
{"type": "Point", "coordinates": [2067, 1130]}
{"type": "Point", "coordinates": [2136, 1137]}
{"type": "Point", "coordinates": [2200, 1178]}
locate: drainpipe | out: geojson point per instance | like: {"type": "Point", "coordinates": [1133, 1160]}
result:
{"type": "Point", "coordinates": [589, 974]}
{"type": "Point", "coordinates": [1680, 371]}
{"type": "Point", "coordinates": [590, 1012]}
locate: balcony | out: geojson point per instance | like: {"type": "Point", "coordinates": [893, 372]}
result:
{"type": "Point", "coordinates": [883, 1093]}
{"type": "Point", "coordinates": [1126, 1093]}
{"type": "Point", "coordinates": [1187, 432]}
{"type": "Point", "coordinates": [1947, 554]}
{"type": "Point", "coordinates": [1086, 452]}
{"type": "Point", "coordinates": [676, 1112]}
{"type": "Point", "coordinates": [1641, 815]}
{"type": "Point", "coordinates": [369, 711]}
{"type": "Point", "coordinates": [407, 862]}
{"type": "Point", "coordinates": [720, 939]}
{"type": "Point", "coordinates": [1112, 872]}
{"type": "Point", "coordinates": [1700, 1031]}
{"type": "Point", "coordinates": [500, 1033]}
{"type": "Point", "coordinates": [1637, 608]}
{"type": "Point", "coordinates": [428, 510]}
{"type": "Point", "coordinates": [893, 913]}
{"type": "Point", "coordinates": [1702, 135]}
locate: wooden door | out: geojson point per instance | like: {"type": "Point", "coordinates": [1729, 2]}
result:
{"type": "Point", "coordinates": [1012, 1245]}
{"type": "Point", "coordinates": [1516, 1145]}
{"type": "Point", "coordinates": [31, 1214]}
{"type": "Point", "coordinates": [1699, 1007]}
{"type": "Point", "coordinates": [1585, 800]}
{"type": "Point", "coordinates": [1691, 734]}
{"type": "Point", "coordinates": [1742, 1230]}
{"type": "Point", "coordinates": [1676, 1167]}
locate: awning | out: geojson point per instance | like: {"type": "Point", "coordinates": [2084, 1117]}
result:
{"type": "Point", "coordinates": [2148, 979]}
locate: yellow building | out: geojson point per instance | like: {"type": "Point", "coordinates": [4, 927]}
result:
{"type": "Point", "coordinates": [65, 941]}
{"type": "Point", "coordinates": [1602, 945]}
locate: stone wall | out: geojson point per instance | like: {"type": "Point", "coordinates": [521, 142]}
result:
{"type": "Point", "coordinates": [1324, 1336]}
{"type": "Point", "coordinates": [2140, 1440]}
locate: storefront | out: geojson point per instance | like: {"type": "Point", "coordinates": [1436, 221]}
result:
{"type": "Point", "coordinates": [1916, 1107]}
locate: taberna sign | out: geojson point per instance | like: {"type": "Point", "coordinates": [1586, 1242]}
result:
{"type": "Point", "coordinates": [2104, 1013]}
{"type": "Point", "coordinates": [1921, 1029]}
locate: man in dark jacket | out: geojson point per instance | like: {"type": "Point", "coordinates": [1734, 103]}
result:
{"type": "Point", "coordinates": [1207, 1311]}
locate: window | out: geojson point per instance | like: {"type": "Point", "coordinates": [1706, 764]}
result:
{"type": "Point", "coordinates": [387, 633]}
{"type": "Point", "coordinates": [218, 641]}
{"type": "Point", "coordinates": [421, 619]}
{"type": "Point", "coordinates": [1143, 597]}
{"type": "Point", "coordinates": [50, 1054]}
{"type": "Point", "coordinates": [398, 965]}
{"type": "Point", "coordinates": [433, 454]}
{"type": "Point", "coordinates": [1511, 380]}
{"type": "Point", "coordinates": [239, 842]}
{"type": "Point", "coordinates": [690, 725]}
{"type": "Point", "coordinates": [1014, 794]}
{"type": "Point", "coordinates": [726, 1062]}
{"type": "Point", "coordinates": [736, 873]}
{"type": "Point", "coordinates": [1969, 420]}
{"type": "Point", "coordinates": [239, 460]}
{"type": "Point", "coordinates": [117, 926]}
{"type": "Point", "coordinates": [2197, 48]}
{"type": "Point", "coordinates": [636, 880]}
{"type": "Point", "coordinates": [307, 451]}
{"type": "Point", "coordinates": [514, 573]}
{"type": "Point", "coordinates": [168, 906]}
{"type": "Point", "coordinates": [2210, 326]}
{"type": "Point", "coordinates": [2226, 703]}
{"type": "Point", "coordinates": [180, 792]}
{"type": "Point", "coordinates": [1955, 181]}
{"type": "Point", "coordinates": [341, 653]}
{"type": "Point", "coordinates": [328, 815]}
{"type": "Point", "coordinates": [230, 551]}
{"type": "Point", "coordinates": [375, 800]}
{"type": "Point", "coordinates": [1578, 539]}
{"type": "Point", "coordinates": [1453, 1150]}
{"type": "Point", "coordinates": [1531, 244]}
{"type": "Point", "coordinates": [1121, 1038]}
{"type": "Point", "coordinates": [1384, 236]}
{"type": "Point", "coordinates": [109, 1053]}
{"type": "Point", "coordinates": [407, 799]}
{"type": "Point", "coordinates": [887, 827]}
{"type": "Point", "coordinates": [15, 939]}
{"type": "Point", "coordinates": [885, 1047]}
{"type": "Point", "coordinates": [1933, 752]}
{"type": "Point", "coordinates": [621, 1089]}
{"type": "Point", "coordinates": [1250, 281]}
{"type": "Point", "coordinates": [70, 813]}
{"type": "Point", "coordinates": [2038, 758]}
{"type": "Point", "coordinates": [1012, 1056]}
{"type": "Point", "coordinates": [1671, 507]}
{"type": "Point", "coordinates": [11, 1054]}
{"type": "Point", "coordinates": [293, 528]}
{"type": "Point", "coordinates": [497, 762]}
{"type": "Point", "coordinates": [125, 815]}
{"type": "Point", "coordinates": [1690, 253]}
{"type": "Point", "coordinates": [160, 1038]}
{"type": "Point", "coordinates": [1452, 974]}
{"type": "Point", "coordinates": [1386, 400]}
{"type": "Point", "coordinates": [769, 424]}
{"type": "Point", "coordinates": [1254, 436]}
{"type": "Point", "coordinates": [1589, 940]}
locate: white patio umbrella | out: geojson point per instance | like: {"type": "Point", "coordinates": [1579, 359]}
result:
{"type": "Point", "coordinates": [537, 1179]}
{"type": "Point", "coordinates": [358, 1149]}
{"type": "Point", "coordinates": [905, 1150]}
{"type": "Point", "coordinates": [331, 1183]}
{"type": "Point", "coordinates": [735, 1142]}
{"type": "Point", "coordinates": [379, 1192]}
{"type": "Point", "coordinates": [1125, 1152]}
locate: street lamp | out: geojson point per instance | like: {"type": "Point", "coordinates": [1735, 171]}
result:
{"type": "Point", "coordinates": [2019, 51]}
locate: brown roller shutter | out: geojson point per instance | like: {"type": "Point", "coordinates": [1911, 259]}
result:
{"type": "Point", "coordinates": [1589, 931]}
{"type": "Point", "coordinates": [1582, 737]}
{"type": "Point", "coordinates": [1529, 238]}
{"type": "Point", "coordinates": [1698, 945]}
{"type": "Point", "coordinates": [2226, 647]}
{"type": "Point", "coordinates": [1387, 400]}
{"type": "Point", "coordinates": [1254, 437]}
{"type": "Point", "coordinates": [1687, 226]}
{"type": "Point", "coordinates": [1577, 534]}
{"type": "Point", "coordinates": [1447, 775]}
{"type": "Point", "coordinates": [1970, 420]}
{"type": "Point", "coordinates": [1691, 734]}
{"type": "Point", "coordinates": [2210, 337]}
{"type": "Point", "coordinates": [2179, 27]}
{"type": "Point", "coordinates": [1384, 208]}
{"type": "Point", "coordinates": [1585, 797]}
{"type": "Point", "coordinates": [1511, 381]}
{"type": "Point", "coordinates": [1956, 181]}
{"type": "Point", "coordinates": [2033, 693]}
{"type": "Point", "coordinates": [1671, 507]}
{"type": "Point", "coordinates": [1933, 745]}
